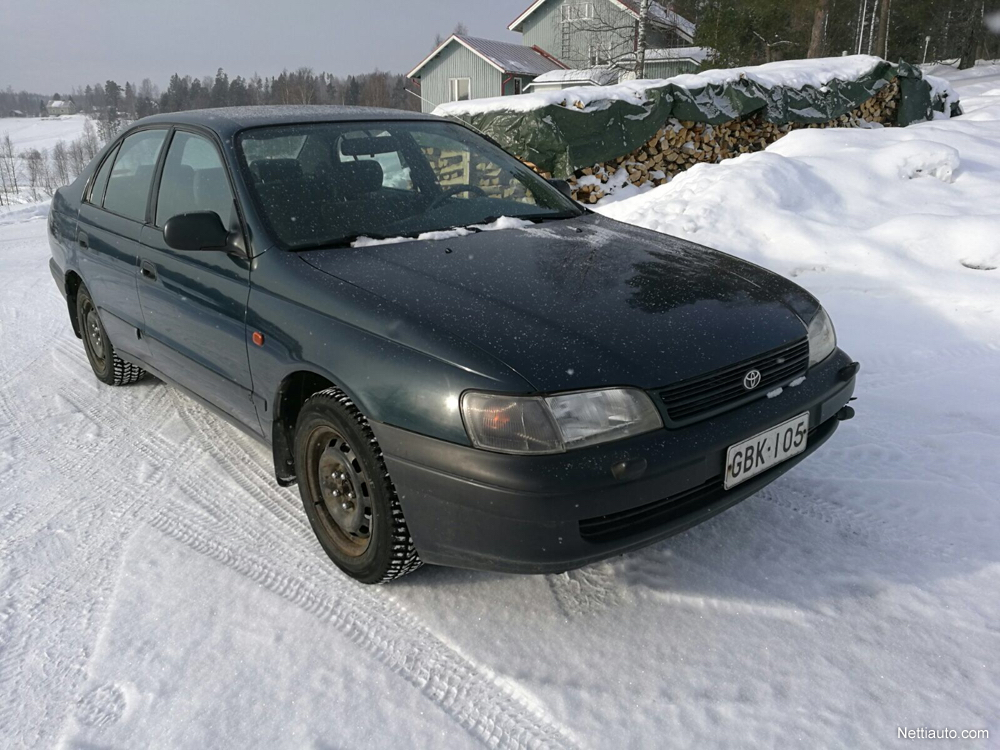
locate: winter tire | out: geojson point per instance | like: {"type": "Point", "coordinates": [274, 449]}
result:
{"type": "Point", "coordinates": [107, 365]}
{"type": "Point", "coordinates": [347, 493]}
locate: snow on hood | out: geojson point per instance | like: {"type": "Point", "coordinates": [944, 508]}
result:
{"type": "Point", "coordinates": [504, 222]}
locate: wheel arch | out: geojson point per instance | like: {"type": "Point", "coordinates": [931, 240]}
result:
{"type": "Point", "coordinates": [292, 393]}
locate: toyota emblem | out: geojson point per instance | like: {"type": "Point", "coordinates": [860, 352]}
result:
{"type": "Point", "coordinates": [751, 380]}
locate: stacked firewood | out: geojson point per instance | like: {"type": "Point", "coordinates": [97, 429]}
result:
{"type": "Point", "coordinates": [680, 144]}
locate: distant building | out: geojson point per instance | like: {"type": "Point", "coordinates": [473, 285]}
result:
{"type": "Point", "coordinates": [57, 107]}
{"type": "Point", "coordinates": [17, 113]}
{"type": "Point", "coordinates": [564, 43]}
{"type": "Point", "coordinates": [465, 67]}
{"type": "Point", "coordinates": [598, 32]}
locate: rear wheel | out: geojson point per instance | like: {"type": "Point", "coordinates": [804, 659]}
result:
{"type": "Point", "coordinates": [106, 364]}
{"type": "Point", "coordinates": [347, 494]}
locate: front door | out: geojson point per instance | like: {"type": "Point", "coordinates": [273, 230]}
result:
{"type": "Point", "coordinates": [194, 303]}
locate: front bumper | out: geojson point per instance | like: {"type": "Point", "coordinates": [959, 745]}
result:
{"type": "Point", "coordinates": [470, 508]}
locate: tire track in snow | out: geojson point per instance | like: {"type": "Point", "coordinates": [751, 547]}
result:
{"type": "Point", "coordinates": [474, 698]}
{"type": "Point", "coordinates": [468, 693]}
{"type": "Point", "coordinates": [464, 702]}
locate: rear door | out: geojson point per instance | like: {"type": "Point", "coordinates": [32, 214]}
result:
{"type": "Point", "coordinates": [108, 231]}
{"type": "Point", "coordinates": [194, 303]}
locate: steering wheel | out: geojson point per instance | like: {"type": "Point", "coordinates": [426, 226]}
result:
{"type": "Point", "coordinates": [455, 190]}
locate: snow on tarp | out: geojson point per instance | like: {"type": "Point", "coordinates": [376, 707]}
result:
{"type": "Point", "coordinates": [561, 131]}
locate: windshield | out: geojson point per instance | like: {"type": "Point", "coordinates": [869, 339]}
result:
{"type": "Point", "coordinates": [331, 183]}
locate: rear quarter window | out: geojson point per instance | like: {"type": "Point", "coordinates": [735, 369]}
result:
{"type": "Point", "coordinates": [101, 180]}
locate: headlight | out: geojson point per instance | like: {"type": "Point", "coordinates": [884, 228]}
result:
{"type": "Point", "coordinates": [553, 424]}
{"type": "Point", "coordinates": [822, 337]}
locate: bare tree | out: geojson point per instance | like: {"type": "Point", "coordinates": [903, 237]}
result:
{"type": "Point", "coordinates": [89, 140]}
{"type": "Point", "coordinates": [60, 164]}
{"type": "Point", "coordinates": [882, 40]}
{"type": "Point", "coordinates": [375, 91]}
{"type": "Point", "coordinates": [34, 161]}
{"type": "Point", "coordinates": [817, 40]}
{"type": "Point", "coordinates": [8, 163]}
{"type": "Point", "coordinates": [77, 160]}
{"type": "Point", "coordinates": [640, 38]}
{"type": "Point", "coordinates": [969, 28]}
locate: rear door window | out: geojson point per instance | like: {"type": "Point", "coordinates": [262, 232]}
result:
{"type": "Point", "coordinates": [132, 174]}
{"type": "Point", "coordinates": [194, 179]}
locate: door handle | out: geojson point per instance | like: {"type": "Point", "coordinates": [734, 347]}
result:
{"type": "Point", "coordinates": [148, 270]}
{"type": "Point", "coordinates": [83, 240]}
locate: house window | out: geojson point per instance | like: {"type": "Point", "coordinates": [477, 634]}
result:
{"type": "Point", "coordinates": [577, 12]}
{"type": "Point", "coordinates": [517, 86]}
{"type": "Point", "coordinates": [597, 55]}
{"type": "Point", "coordinates": [459, 89]}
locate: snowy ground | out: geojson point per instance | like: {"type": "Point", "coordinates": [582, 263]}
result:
{"type": "Point", "coordinates": [42, 132]}
{"type": "Point", "coordinates": [157, 589]}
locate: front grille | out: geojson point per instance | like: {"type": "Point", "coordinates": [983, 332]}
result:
{"type": "Point", "coordinates": [723, 389]}
{"type": "Point", "coordinates": [657, 513]}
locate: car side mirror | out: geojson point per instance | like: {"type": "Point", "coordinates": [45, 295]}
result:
{"type": "Point", "coordinates": [197, 230]}
{"type": "Point", "coordinates": [563, 187]}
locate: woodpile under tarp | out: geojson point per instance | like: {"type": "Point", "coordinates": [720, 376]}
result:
{"type": "Point", "coordinates": [680, 144]}
{"type": "Point", "coordinates": [717, 113]}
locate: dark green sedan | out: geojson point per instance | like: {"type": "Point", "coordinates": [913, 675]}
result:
{"type": "Point", "coordinates": [456, 363]}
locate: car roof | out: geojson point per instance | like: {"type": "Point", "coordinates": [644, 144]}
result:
{"type": "Point", "coordinates": [229, 120]}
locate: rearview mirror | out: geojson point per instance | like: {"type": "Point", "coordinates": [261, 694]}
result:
{"type": "Point", "coordinates": [563, 187]}
{"type": "Point", "coordinates": [197, 230]}
{"type": "Point", "coordinates": [368, 145]}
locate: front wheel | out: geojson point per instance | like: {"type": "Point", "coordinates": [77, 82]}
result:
{"type": "Point", "coordinates": [106, 364]}
{"type": "Point", "coordinates": [348, 496]}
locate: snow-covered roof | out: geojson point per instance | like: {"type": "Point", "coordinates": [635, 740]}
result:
{"type": "Point", "coordinates": [582, 77]}
{"type": "Point", "coordinates": [506, 57]}
{"type": "Point", "coordinates": [697, 54]}
{"type": "Point", "coordinates": [57, 103]}
{"type": "Point", "coordinates": [658, 15]}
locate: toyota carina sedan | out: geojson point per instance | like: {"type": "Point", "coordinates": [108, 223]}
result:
{"type": "Point", "coordinates": [456, 362]}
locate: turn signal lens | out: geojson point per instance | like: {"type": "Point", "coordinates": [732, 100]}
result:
{"type": "Point", "coordinates": [509, 424]}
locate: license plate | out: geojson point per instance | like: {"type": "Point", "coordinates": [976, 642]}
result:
{"type": "Point", "coordinates": [766, 449]}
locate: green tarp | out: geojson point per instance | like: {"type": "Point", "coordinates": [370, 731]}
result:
{"type": "Point", "coordinates": [561, 139]}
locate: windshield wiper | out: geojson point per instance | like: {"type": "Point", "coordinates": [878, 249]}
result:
{"type": "Point", "coordinates": [346, 241]}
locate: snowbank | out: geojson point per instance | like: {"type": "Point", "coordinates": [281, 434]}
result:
{"type": "Point", "coordinates": [911, 209]}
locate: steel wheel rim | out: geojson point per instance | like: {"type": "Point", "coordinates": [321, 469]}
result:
{"type": "Point", "coordinates": [341, 491]}
{"type": "Point", "coordinates": [93, 333]}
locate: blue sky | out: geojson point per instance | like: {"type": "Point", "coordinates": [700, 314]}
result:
{"type": "Point", "coordinates": [52, 45]}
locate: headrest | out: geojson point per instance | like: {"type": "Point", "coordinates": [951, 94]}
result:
{"type": "Point", "coordinates": [360, 177]}
{"type": "Point", "coordinates": [278, 170]}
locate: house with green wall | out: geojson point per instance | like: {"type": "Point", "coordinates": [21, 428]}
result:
{"type": "Point", "coordinates": [465, 67]}
{"type": "Point", "coordinates": [558, 35]}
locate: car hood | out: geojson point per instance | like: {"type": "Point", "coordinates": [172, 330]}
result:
{"type": "Point", "coordinates": [584, 302]}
